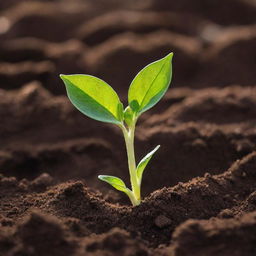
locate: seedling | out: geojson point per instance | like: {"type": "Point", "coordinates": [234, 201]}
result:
{"type": "Point", "coordinates": [97, 100]}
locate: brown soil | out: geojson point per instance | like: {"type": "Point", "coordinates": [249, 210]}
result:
{"type": "Point", "coordinates": [199, 190]}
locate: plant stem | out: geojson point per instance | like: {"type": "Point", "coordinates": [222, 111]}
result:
{"type": "Point", "coordinates": [129, 142]}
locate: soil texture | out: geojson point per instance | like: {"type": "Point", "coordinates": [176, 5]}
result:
{"type": "Point", "coordinates": [200, 188]}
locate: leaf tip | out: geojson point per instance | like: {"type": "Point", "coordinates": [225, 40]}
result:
{"type": "Point", "coordinates": [169, 56]}
{"type": "Point", "coordinates": [100, 177]}
{"type": "Point", "coordinates": [63, 77]}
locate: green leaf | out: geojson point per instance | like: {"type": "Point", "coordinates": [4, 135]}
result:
{"type": "Point", "coordinates": [143, 163]}
{"type": "Point", "coordinates": [120, 109]}
{"type": "Point", "coordinates": [114, 182]}
{"type": "Point", "coordinates": [94, 98]}
{"type": "Point", "coordinates": [128, 115]}
{"type": "Point", "coordinates": [150, 84]}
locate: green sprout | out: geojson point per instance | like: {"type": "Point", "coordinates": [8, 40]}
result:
{"type": "Point", "coordinates": [97, 100]}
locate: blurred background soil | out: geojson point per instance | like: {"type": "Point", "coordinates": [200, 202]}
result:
{"type": "Point", "coordinates": [51, 155]}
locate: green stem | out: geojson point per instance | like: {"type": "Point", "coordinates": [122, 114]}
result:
{"type": "Point", "coordinates": [129, 142]}
{"type": "Point", "coordinates": [132, 198]}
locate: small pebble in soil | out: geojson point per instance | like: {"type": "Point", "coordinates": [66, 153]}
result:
{"type": "Point", "coordinates": [162, 221]}
{"type": "Point", "coordinates": [43, 180]}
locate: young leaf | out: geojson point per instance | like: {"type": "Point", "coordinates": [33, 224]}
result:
{"type": "Point", "coordinates": [94, 98]}
{"type": "Point", "coordinates": [128, 115]}
{"type": "Point", "coordinates": [120, 111]}
{"type": "Point", "coordinates": [114, 182]}
{"type": "Point", "coordinates": [150, 84]}
{"type": "Point", "coordinates": [143, 163]}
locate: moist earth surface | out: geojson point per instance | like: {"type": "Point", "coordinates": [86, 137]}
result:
{"type": "Point", "coordinates": [199, 190]}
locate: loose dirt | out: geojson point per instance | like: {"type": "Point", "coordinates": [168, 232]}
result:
{"type": "Point", "coordinates": [199, 191]}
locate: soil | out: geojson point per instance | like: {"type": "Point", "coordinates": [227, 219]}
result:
{"type": "Point", "coordinates": [199, 190]}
